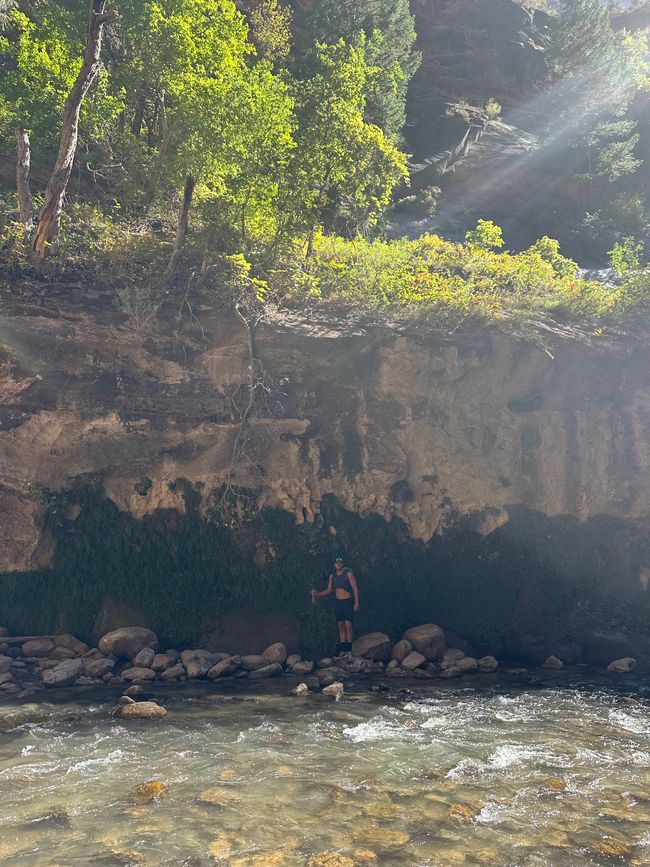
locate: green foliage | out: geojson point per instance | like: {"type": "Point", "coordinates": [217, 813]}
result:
{"type": "Point", "coordinates": [271, 30]}
{"type": "Point", "coordinates": [626, 256]}
{"type": "Point", "coordinates": [486, 236]}
{"type": "Point", "coordinates": [389, 28]}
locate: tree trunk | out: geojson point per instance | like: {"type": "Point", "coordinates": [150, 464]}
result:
{"type": "Point", "coordinates": [50, 214]}
{"type": "Point", "coordinates": [181, 228]}
{"type": "Point", "coordinates": [156, 173]}
{"type": "Point", "coordinates": [25, 204]}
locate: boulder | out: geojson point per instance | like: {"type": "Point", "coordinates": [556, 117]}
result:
{"type": "Point", "coordinates": [374, 645]}
{"type": "Point", "coordinates": [467, 663]}
{"type": "Point", "coordinates": [303, 667]}
{"type": "Point", "coordinates": [115, 614]}
{"type": "Point", "coordinates": [134, 691]}
{"type": "Point", "coordinates": [38, 647]}
{"type": "Point", "coordinates": [292, 659]}
{"type": "Point", "coordinates": [69, 642]}
{"type": "Point", "coordinates": [142, 710]}
{"type": "Point", "coordinates": [62, 653]}
{"type": "Point", "coordinates": [173, 673]}
{"type": "Point", "coordinates": [334, 690]}
{"type": "Point", "coordinates": [412, 661]}
{"type": "Point", "coordinates": [7, 677]}
{"type": "Point", "coordinates": [326, 676]}
{"type": "Point", "coordinates": [428, 639]}
{"type": "Point", "coordinates": [98, 667]}
{"type": "Point", "coordinates": [553, 662]}
{"type": "Point", "coordinates": [488, 664]}
{"type": "Point", "coordinates": [275, 653]}
{"type": "Point", "coordinates": [163, 661]}
{"type": "Point", "coordinates": [326, 662]}
{"type": "Point", "coordinates": [64, 674]}
{"type": "Point", "coordinates": [226, 666]}
{"type": "Point", "coordinates": [144, 657]}
{"type": "Point", "coordinates": [266, 671]}
{"type": "Point", "coordinates": [198, 662]}
{"type": "Point", "coordinates": [622, 666]}
{"type": "Point", "coordinates": [301, 689]}
{"type": "Point", "coordinates": [138, 673]}
{"type": "Point", "coordinates": [147, 792]}
{"type": "Point", "coordinates": [252, 662]}
{"type": "Point", "coordinates": [128, 641]}
{"type": "Point", "coordinates": [401, 650]}
{"type": "Point", "coordinates": [5, 662]}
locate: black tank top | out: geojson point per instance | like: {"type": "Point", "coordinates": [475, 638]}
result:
{"type": "Point", "coordinates": [342, 582]}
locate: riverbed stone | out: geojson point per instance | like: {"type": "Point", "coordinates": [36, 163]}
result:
{"type": "Point", "coordinates": [272, 670]}
{"type": "Point", "coordinates": [226, 666]}
{"type": "Point", "coordinates": [421, 673]}
{"type": "Point", "coordinates": [488, 664]}
{"type": "Point", "coordinates": [7, 677]}
{"type": "Point", "coordinates": [330, 859]}
{"type": "Point", "coordinates": [398, 671]}
{"type": "Point", "coordinates": [622, 666]}
{"type": "Point", "coordinates": [252, 661]}
{"type": "Point", "coordinates": [71, 642]}
{"type": "Point", "coordinates": [62, 653]}
{"type": "Point", "coordinates": [163, 661]}
{"type": "Point", "coordinates": [334, 690]}
{"type": "Point", "coordinates": [198, 662]}
{"type": "Point", "coordinates": [173, 673]}
{"type": "Point", "coordinates": [84, 680]}
{"type": "Point", "coordinates": [292, 659]}
{"type": "Point", "coordinates": [401, 650]}
{"type": "Point", "coordinates": [142, 710]}
{"type": "Point", "coordinates": [428, 639]}
{"type": "Point", "coordinates": [301, 689]}
{"type": "Point", "coordinates": [5, 663]}
{"type": "Point", "coordinates": [451, 655]}
{"type": "Point", "coordinates": [128, 641]}
{"type": "Point", "coordinates": [325, 662]}
{"type": "Point", "coordinates": [303, 667]}
{"type": "Point", "coordinates": [144, 658]}
{"type": "Point", "coordinates": [63, 674]}
{"type": "Point", "coordinates": [38, 647]}
{"type": "Point", "coordinates": [137, 673]}
{"type": "Point", "coordinates": [413, 660]}
{"type": "Point", "coordinates": [145, 793]}
{"type": "Point", "coordinates": [275, 653]}
{"type": "Point", "coordinates": [467, 664]}
{"type": "Point", "coordinates": [373, 645]}
{"type": "Point", "coordinates": [452, 671]}
{"type": "Point", "coordinates": [98, 667]}
{"type": "Point", "coordinates": [553, 662]}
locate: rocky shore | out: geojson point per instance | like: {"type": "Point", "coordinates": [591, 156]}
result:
{"type": "Point", "coordinates": [130, 657]}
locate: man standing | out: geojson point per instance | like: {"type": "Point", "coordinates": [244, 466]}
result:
{"type": "Point", "coordinates": [346, 601]}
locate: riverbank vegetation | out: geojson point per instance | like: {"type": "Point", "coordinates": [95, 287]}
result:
{"type": "Point", "coordinates": [194, 139]}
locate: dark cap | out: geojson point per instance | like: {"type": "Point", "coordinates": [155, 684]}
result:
{"type": "Point", "coordinates": [338, 559]}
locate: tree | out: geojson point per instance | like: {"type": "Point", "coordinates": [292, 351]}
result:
{"type": "Point", "coordinates": [50, 213]}
{"type": "Point", "coordinates": [344, 169]}
{"type": "Point", "coordinates": [389, 29]}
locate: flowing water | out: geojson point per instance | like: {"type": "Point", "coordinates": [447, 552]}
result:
{"type": "Point", "coordinates": [501, 775]}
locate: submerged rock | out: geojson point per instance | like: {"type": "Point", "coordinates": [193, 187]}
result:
{"type": "Point", "coordinates": [142, 710]}
{"type": "Point", "coordinates": [330, 859]}
{"type": "Point", "coordinates": [374, 645]}
{"type": "Point", "coordinates": [428, 639]}
{"type": "Point", "coordinates": [128, 641]}
{"type": "Point", "coordinates": [144, 793]}
{"type": "Point", "coordinates": [217, 796]}
{"type": "Point", "coordinates": [64, 674]}
{"type": "Point", "coordinates": [554, 663]}
{"type": "Point", "coordinates": [622, 666]}
{"type": "Point", "coordinates": [334, 690]}
{"type": "Point", "coordinates": [301, 689]}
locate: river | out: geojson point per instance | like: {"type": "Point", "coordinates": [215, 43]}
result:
{"type": "Point", "coordinates": [512, 770]}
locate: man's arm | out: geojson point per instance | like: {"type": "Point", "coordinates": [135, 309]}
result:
{"type": "Point", "coordinates": [355, 590]}
{"type": "Point", "coordinates": [326, 592]}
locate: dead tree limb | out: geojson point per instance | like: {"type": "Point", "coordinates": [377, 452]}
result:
{"type": "Point", "coordinates": [49, 217]}
{"type": "Point", "coordinates": [181, 226]}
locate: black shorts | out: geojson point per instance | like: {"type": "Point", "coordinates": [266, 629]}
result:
{"type": "Point", "coordinates": [344, 609]}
